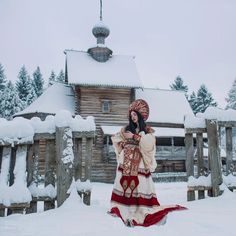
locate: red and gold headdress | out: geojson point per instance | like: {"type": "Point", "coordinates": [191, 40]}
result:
{"type": "Point", "coordinates": [140, 106]}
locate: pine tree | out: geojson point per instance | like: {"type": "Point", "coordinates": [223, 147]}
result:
{"type": "Point", "coordinates": [23, 84]}
{"type": "Point", "coordinates": [38, 82]}
{"type": "Point", "coordinates": [231, 100]}
{"type": "Point", "coordinates": [179, 85]}
{"type": "Point", "coordinates": [52, 78]}
{"type": "Point", "coordinates": [3, 80]}
{"type": "Point", "coordinates": [61, 77]}
{"type": "Point", "coordinates": [10, 102]}
{"type": "Point", "coordinates": [204, 99]}
{"type": "Point", "coordinates": [193, 101]}
{"type": "Point", "coordinates": [31, 92]}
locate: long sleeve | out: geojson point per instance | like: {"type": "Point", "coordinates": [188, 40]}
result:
{"type": "Point", "coordinates": [147, 146]}
{"type": "Point", "coordinates": [118, 141]}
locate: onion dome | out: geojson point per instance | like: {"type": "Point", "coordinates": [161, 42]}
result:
{"type": "Point", "coordinates": [100, 31]}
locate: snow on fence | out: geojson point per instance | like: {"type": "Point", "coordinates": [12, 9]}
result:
{"type": "Point", "coordinates": [211, 122]}
{"type": "Point", "coordinates": [63, 143]}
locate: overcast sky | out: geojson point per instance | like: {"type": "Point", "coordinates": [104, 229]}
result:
{"type": "Point", "coordinates": [195, 39]}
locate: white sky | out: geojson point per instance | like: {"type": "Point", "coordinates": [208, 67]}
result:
{"type": "Point", "coordinates": [191, 38]}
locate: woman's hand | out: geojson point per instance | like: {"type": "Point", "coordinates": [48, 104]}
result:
{"type": "Point", "coordinates": [128, 135]}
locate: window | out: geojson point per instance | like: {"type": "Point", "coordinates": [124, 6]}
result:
{"type": "Point", "coordinates": [105, 106]}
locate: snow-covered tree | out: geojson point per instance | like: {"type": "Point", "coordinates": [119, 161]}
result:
{"type": "Point", "coordinates": [193, 101]}
{"type": "Point", "coordinates": [23, 84]}
{"type": "Point", "coordinates": [31, 92]}
{"type": "Point", "coordinates": [10, 103]}
{"type": "Point", "coordinates": [38, 82]}
{"type": "Point", "coordinates": [231, 99]}
{"type": "Point", "coordinates": [204, 99]}
{"type": "Point", "coordinates": [61, 77]}
{"type": "Point", "coordinates": [52, 78]}
{"type": "Point", "coordinates": [179, 85]}
{"type": "Point", "coordinates": [3, 80]}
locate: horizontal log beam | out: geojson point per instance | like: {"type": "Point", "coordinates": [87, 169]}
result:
{"type": "Point", "coordinates": [14, 143]}
{"type": "Point", "coordinates": [195, 130]}
{"type": "Point", "coordinates": [165, 125]}
{"type": "Point", "coordinates": [227, 123]}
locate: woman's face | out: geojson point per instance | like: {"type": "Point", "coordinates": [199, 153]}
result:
{"type": "Point", "coordinates": [134, 117]}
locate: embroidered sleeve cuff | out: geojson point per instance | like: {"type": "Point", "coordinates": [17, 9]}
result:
{"type": "Point", "coordinates": [136, 137]}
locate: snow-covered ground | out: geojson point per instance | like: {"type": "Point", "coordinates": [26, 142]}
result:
{"type": "Point", "coordinates": [211, 216]}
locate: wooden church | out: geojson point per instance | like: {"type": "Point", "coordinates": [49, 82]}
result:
{"type": "Point", "coordinates": [101, 84]}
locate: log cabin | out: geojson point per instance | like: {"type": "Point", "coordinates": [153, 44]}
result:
{"type": "Point", "coordinates": [101, 84]}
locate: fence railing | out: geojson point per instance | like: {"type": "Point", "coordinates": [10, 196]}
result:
{"type": "Point", "coordinates": [60, 156]}
{"type": "Point", "coordinates": [209, 180]}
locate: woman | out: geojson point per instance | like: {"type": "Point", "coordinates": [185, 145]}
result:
{"type": "Point", "coordinates": [133, 197]}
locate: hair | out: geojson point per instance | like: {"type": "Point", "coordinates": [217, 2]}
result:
{"type": "Point", "coordinates": [132, 126]}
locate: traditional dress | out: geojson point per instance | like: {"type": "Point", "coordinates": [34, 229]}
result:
{"type": "Point", "coordinates": [133, 197]}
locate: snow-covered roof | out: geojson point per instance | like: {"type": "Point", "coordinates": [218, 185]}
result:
{"type": "Point", "coordinates": [118, 71]}
{"type": "Point", "coordinates": [159, 131]}
{"type": "Point", "coordinates": [166, 106]}
{"type": "Point", "coordinates": [57, 97]}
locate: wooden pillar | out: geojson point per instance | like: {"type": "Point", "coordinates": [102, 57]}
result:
{"type": "Point", "coordinates": [32, 168]}
{"type": "Point", "coordinates": [229, 148]}
{"type": "Point", "coordinates": [64, 159]}
{"type": "Point", "coordinates": [12, 165]}
{"type": "Point", "coordinates": [1, 150]}
{"type": "Point", "coordinates": [200, 162]}
{"type": "Point", "coordinates": [50, 162]}
{"type": "Point", "coordinates": [88, 163]}
{"type": "Point", "coordinates": [189, 154]}
{"type": "Point", "coordinates": [5, 165]}
{"type": "Point", "coordinates": [201, 194]}
{"type": "Point", "coordinates": [214, 156]}
{"type": "Point", "coordinates": [78, 158]}
{"type": "Point", "coordinates": [88, 159]}
{"type": "Point", "coordinates": [190, 195]}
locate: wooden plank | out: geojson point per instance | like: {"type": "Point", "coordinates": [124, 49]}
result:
{"type": "Point", "coordinates": [201, 194]}
{"type": "Point", "coordinates": [227, 123]}
{"type": "Point", "coordinates": [89, 134]}
{"type": "Point", "coordinates": [195, 130]}
{"type": "Point", "coordinates": [1, 150]}
{"type": "Point", "coordinates": [50, 164]}
{"type": "Point", "coordinates": [12, 165]}
{"type": "Point", "coordinates": [166, 125]}
{"type": "Point", "coordinates": [88, 162]}
{"type": "Point", "coordinates": [189, 154]}
{"type": "Point", "coordinates": [30, 165]}
{"type": "Point", "coordinates": [64, 166]}
{"type": "Point", "coordinates": [199, 188]}
{"type": "Point", "coordinates": [200, 154]}
{"type": "Point", "coordinates": [190, 195]}
{"type": "Point", "coordinates": [78, 158]}
{"type": "Point", "coordinates": [214, 156]}
{"type": "Point", "coordinates": [14, 143]}
{"type": "Point", "coordinates": [229, 149]}
{"type": "Point", "coordinates": [46, 136]}
{"type": "Point", "coordinates": [32, 207]}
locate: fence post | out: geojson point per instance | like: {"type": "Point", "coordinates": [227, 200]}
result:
{"type": "Point", "coordinates": [32, 162]}
{"type": "Point", "coordinates": [189, 154]}
{"type": "Point", "coordinates": [50, 162]}
{"type": "Point", "coordinates": [64, 159]}
{"type": "Point", "coordinates": [78, 158]}
{"type": "Point", "coordinates": [189, 162]}
{"type": "Point", "coordinates": [214, 156]}
{"type": "Point", "coordinates": [229, 148]}
{"type": "Point", "coordinates": [200, 163]}
{"type": "Point", "coordinates": [88, 163]}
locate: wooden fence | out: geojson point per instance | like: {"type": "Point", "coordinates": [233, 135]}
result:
{"type": "Point", "coordinates": [214, 168]}
{"type": "Point", "coordinates": [67, 155]}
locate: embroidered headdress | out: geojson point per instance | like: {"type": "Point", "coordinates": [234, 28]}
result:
{"type": "Point", "coordinates": [140, 106]}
